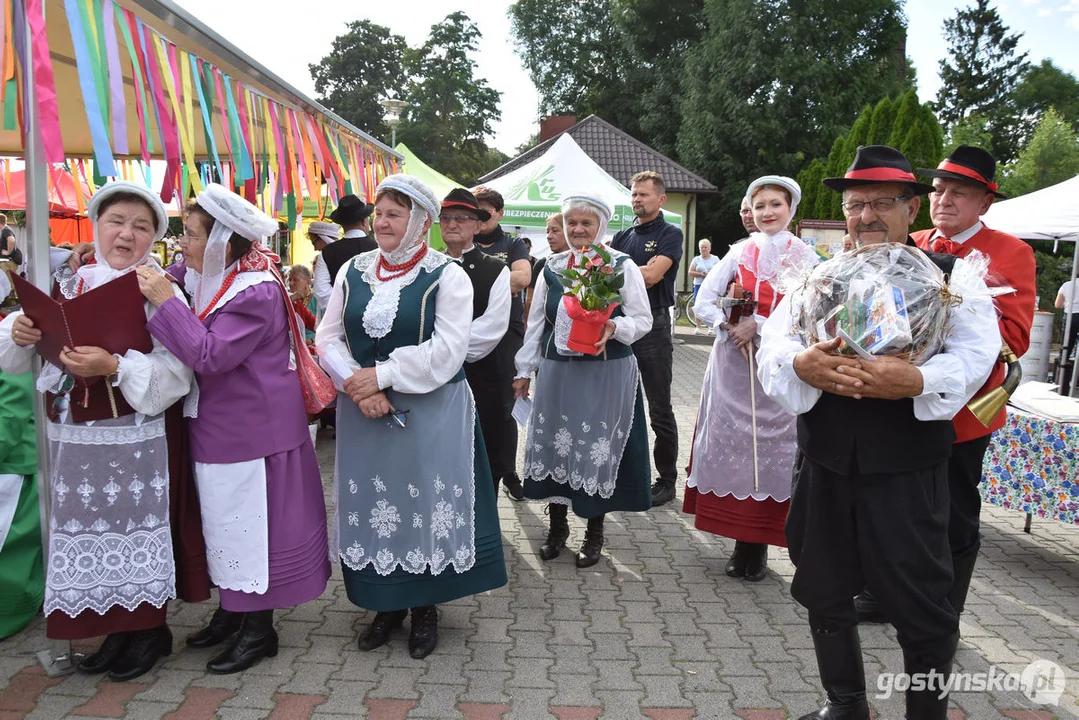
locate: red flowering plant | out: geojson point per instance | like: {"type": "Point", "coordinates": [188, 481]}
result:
{"type": "Point", "coordinates": [590, 295]}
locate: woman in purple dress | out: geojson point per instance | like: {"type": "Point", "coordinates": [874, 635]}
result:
{"type": "Point", "coordinates": [263, 512]}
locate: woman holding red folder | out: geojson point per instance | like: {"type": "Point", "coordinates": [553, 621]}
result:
{"type": "Point", "coordinates": [124, 533]}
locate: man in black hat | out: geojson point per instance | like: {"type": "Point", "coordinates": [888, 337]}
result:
{"type": "Point", "coordinates": [489, 360]}
{"type": "Point", "coordinates": [353, 215]}
{"type": "Point", "coordinates": [869, 498]}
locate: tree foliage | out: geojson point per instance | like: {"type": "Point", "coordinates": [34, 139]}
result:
{"type": "Point", "coordinates": [450, 111]}
{"type": "Point", "coordinates": [1051, 156]}
{"type": "Point", "coordinates": [364, 67]}
{"type": "Point", "coordinates": [979, 75]}
{"type": "Point", "coordinates": [1044, 86]}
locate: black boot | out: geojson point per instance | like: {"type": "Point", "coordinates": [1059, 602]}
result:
{"type": "Point", "coordinates": [222, 626]}
{"type": "Point", "coordinates": [378, 632]}
{"type": "Point", "coordinates": [963, 567]}
{"type": "Point", "coordinates": [927, 703]}
{"type": "Point", "coordinates": [588, 555]}
{"type": "Point", "coordinates": [662, 492]}
{"type": "Point", "coordinates": [757, 562]}
{"type": "Point", "coordinates": [142, 653]}
{"type": "Point", "coordinates": [514, 488]}
{"type": "Point", "coordinates": [557, 534]}
{"type": "Point", "coordinates": [106, 656]}
{"type": "Point", "coordinates": [423, 637]}
{"type": "Point", "coordinates": [736, 566]}
{"type": "Point", "coordinates": [839, 661]}
{"type": "Point", "coordinates": [868, 609]}
{"type": "Point", "coordinates": [256, 639]}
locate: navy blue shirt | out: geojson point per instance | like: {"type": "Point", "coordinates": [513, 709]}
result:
{"type": "Point", "coordinates": [648, 240]}
{"type": "Point", "coordinates": [508, 249]}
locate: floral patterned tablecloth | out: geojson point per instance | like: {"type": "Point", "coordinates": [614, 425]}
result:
{"type": "Point", "coordinates": [1031, 467]}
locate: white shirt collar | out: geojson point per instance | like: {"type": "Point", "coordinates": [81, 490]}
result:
{"type": "Point", "coordinates": [963, 236]}
{"type": "Point", "coordinates": [354, 233]}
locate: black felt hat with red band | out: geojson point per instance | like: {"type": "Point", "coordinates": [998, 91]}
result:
{"type": "Point", "coordinates": [969, 164]}
{"type": "Point", "coordinates": [878, 164]}
{"type": "Point", "coordinates": [461, 198]}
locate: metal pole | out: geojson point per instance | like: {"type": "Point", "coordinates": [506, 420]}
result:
{"type": "Point", "coordinates": [57, 658]}
{"type": "Point", "coordinates": [1065, 350]}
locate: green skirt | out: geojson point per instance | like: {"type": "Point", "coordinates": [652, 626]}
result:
{"type": "Point", "coordinates": [401, 589]}
{"type": "Point", "coordinates": [22, 574]}
{"type": "Point", "coordinates": [633, 486]}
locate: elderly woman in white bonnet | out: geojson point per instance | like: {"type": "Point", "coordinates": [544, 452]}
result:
{"type": "Point", "coordinates": [263, 510]}
{"type": "Point", "coordinates": [739, 485]}
{"type": "Point", "coordinates": [118, 468]}
{"type": "Point", "coordinates": [587, 445]}
{"type": "Point", "coordinates": [416, 515]}
{"type": "Point", "coordinates": [322, 234]}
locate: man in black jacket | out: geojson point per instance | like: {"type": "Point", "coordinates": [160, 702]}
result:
{"type": "Point", "coordinates": [869, 502]}
{"type": "Point", "coordinates": [656, 246]}
{"type": "Point", "coordinates": [353, 215]}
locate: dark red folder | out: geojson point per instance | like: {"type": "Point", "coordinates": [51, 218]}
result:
{"type": "Point", "coordinates": [111, 317]}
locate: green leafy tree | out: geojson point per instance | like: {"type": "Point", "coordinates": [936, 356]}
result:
{"type": "Point", "coordinates": [365, 66]}
{"type": "Point", "coordinates": [1044, 86]}
{"type": "Point", "coordinates": [880, 129]}
{"type": "Point", "coordinates": [768, 100]}
{"type": "Point", "coordinates": [972, 130]}
{"type": "Point", "coordinates": [1051, 156]}
{"type": "Point", "coordinates": [979, 75]}
{"type": "Point", "coordinates": [450, 111]}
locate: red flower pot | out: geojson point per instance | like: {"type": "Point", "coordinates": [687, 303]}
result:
{"type": "Point", "coordinates": [587, 326]}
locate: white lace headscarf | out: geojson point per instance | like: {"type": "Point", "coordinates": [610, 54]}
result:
{"type": "Point", "coordinates": [327, 231]}
{"type": "Point", "coordinates": [425, 207]}
{"type": "Point", "coordinates": [100, 272]}
{"type": "Point", "coordinates": [231, 213]}
{"type": "Point", "coordinates": [381, 309]}
{"type": "Point", "coordinates": [766, 256]}
{"type": "Point", "coordinates": [589, 203]}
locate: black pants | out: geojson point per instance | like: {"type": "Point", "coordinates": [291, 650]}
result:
{"type": "Point", "coordinates": [887, 533]}
{"type": "Point", "coordinates": [964, 476]}
{"type": "Point", "coordinates": [491, 380]}
{"type": "Point", "coordinates": [655, 359]}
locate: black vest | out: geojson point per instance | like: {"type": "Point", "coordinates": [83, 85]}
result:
{"type": "Point", "coordinates": [482, 270]}
{"type": "Point", "coordinates": [870, 436]}
{"type": "Point", "coordinates": [336, 254]}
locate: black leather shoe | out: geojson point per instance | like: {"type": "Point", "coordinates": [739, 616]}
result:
{"type": "Point", "coordinates": [589, 553]}
{"type": "Point", "coordinates": [106, 656]}
{"type": "Point", "coordinates": [757, 562]}
{"type": "Point", "coordinates": [423, 637]}
{"type": "Point", "coordinates": [662, 493]}
{"type": "Point", "coordinates": [222, 626]}
{"type": "Point", "coordinates": [257, 639]}
{"type": "Point", "coordinates": [142, 653]}
{"type": "Point", "coordinates": [514, 488]}
{"type": "Point", "coordinates": [736, 566]}
{"type": "Point", "coordinates": [868, 609]}
{"type": "Point", "coordinates": [558, 533]}
{"type": "Point", "coordinates": [378, 632]}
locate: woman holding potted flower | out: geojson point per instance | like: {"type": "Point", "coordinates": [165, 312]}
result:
{"type": "Point", "coordinates": [587, 446]}
{"type": "Point", "coordinates": [739, 483]}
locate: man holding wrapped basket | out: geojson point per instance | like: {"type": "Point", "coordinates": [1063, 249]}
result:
{"type": "Point", "coordinates": [875, 352]}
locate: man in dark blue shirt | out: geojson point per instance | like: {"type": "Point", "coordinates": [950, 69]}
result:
{"type": "Point", "coordinates": [656, 246]}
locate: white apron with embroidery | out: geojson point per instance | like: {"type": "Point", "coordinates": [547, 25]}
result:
{"type": "Point", "coordinates": [109, 537]}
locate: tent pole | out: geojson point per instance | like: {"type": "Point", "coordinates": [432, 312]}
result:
{"type": "Point", "coordinates": [57, 658]}
{"type": "Point", "coordinates": [1068, 322]}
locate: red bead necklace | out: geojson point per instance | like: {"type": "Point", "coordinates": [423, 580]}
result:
{"type": "Point", "coordinates": [231, 278]}
{"type": "Point", "coordinates": [395, 271]}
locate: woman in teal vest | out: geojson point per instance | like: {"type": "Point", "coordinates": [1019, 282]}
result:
{"type": "Point", "coordinates": [587, 446]}
{"type": "Point", "coordinates": [416, 515]}
{"type": "Point", "coordinates": [22, 576]}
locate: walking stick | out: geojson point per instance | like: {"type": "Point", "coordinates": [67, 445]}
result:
{"type": "Point", "coordinates": [739, 302]}
{"type": "Point", "coordinates": [753, 412]}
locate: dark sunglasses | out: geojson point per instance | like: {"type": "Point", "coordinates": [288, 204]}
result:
{"type": "Point", "coordinates": [400, 418]}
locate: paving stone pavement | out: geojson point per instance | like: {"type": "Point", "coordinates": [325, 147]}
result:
{"type": "Point", "coordinates": [655, 631]}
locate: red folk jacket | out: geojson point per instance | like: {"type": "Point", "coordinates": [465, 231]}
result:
{"type": "Point", "coordinates": [1011, 263]}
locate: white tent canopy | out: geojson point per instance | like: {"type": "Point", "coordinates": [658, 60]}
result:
{"type": "Point", "coordinates": [1051, 213]}
{"type": "Point", "coordinates": [534, 191]}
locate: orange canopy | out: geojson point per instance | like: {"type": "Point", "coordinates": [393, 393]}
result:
{"type": "Point", "coordinates": [63, 197]}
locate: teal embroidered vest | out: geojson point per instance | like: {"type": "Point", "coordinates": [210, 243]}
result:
{"type": "Point", "coordinates": [613, 350]}
{"type": "Point", "coordinates": [413, 324]}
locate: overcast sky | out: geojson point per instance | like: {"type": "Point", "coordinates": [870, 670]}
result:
{"type": "Point", "coordinates": [287, 36]}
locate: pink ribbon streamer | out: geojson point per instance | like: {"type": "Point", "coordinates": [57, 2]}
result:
{"type": "Point", "coordinates": [116, 82]}
{"type": "Point", "coordinates": [44, 84]}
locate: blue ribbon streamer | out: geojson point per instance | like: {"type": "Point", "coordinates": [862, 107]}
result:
{"type": "Point", "coordinates": [103, 159]}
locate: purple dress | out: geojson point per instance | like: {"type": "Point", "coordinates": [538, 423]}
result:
{"type": "Point", "coordinates": [250, 407]}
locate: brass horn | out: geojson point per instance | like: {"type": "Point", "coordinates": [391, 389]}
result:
{"type": "Point", "coordinates": [985, 407]}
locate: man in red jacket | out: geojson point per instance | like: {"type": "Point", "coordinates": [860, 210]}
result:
{"type": "Point", "coordinates": [964, 188]}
